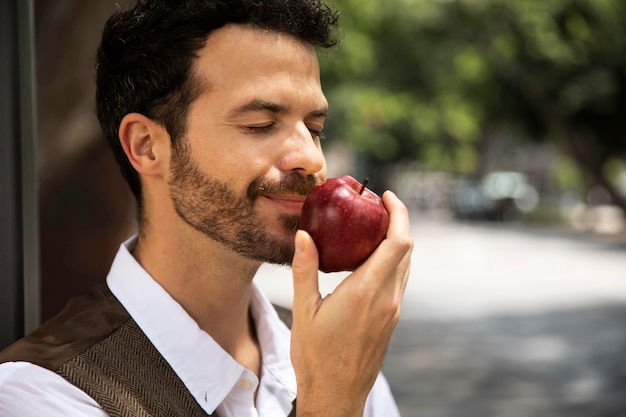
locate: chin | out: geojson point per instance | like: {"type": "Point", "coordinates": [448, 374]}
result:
{"type": "Point", "coordinates": [281, 253]}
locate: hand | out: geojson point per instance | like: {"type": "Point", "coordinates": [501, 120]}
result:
{"type": "Point", "coordinates": [339, 342]}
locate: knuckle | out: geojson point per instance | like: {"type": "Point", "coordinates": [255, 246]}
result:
{"type": "Point", "coordinates": [391, 313]}
{"type": "Point", "coordinates": [404, 243]}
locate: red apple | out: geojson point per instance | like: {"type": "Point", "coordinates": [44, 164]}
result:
{"type": "Point", "coordinates": [347, 222]}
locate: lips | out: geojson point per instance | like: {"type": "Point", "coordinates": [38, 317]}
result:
{"type": "Point", "coordinates": [289, 203]}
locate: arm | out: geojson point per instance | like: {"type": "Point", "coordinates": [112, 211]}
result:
{"type": "Point", "coordinates": [339, 342]}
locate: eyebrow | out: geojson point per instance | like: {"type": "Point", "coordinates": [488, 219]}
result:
{"type": "Point", "coordinates": [261, 105]}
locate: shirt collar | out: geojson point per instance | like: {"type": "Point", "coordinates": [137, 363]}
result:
{"type": "Point", "coordinates": [208, 371]}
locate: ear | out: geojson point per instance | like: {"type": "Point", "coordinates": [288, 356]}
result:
{"type": "Point", "coordinates": [145, 142]}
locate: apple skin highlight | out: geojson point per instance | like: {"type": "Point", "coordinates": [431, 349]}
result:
{"type": "Point", "coordinates": [347, 222]}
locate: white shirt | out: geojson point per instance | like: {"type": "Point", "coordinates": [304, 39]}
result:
{"type": "Point", "coordinates": [213, 377]}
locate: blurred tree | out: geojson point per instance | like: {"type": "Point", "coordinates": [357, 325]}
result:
{"type": "Point", "coordinates": [436, 80]}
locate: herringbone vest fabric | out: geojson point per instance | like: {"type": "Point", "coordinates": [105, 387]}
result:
{"type": "Point", "coordinates": [99, 348]}
{"type": "Point", "coordinates": [126, 375]}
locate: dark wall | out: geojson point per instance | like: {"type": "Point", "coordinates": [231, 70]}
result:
{"type": "Point", "coordinates": [11, 294]}
{"type": "Point", "coordinates": [85, 209]}
{"type": "Point", "coordinates": [19, 262]}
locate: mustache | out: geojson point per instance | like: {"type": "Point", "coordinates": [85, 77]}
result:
{"type": "Point", "coordinates": [291, 184]}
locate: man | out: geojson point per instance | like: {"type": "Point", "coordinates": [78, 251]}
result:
{"type": "Point", "coordinates": [214, 111]}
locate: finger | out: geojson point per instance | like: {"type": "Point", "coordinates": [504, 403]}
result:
{"type": "Point", "coordinates": [394, 253]}
{"type": "Point", "coordinates": [406, 265]}
{"type": "Point", "coordinates": [398, 216]}
{"type": "Point", "coordinates": [398, 241]}
{"type": "Point", "coordinates": [304, 271]}
{"type": "Point", "coordinates": [400, 228]}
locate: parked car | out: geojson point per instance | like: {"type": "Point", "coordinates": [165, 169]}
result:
{"type": "Point", "coordinates": [500, 195]}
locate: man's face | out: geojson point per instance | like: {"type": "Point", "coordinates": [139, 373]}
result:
{"type": "Point", "coordinates": [252, 148]}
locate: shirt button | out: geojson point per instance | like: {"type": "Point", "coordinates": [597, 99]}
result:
{"type": "Point", "coordinates": [245, 383]}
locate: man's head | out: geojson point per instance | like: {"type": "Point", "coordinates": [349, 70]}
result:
{"type": "Point", "coordinates": [214, 110]}
{"type": "Point", "coordinates": [146, 57]}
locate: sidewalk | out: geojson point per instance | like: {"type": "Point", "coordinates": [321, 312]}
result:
{"type": "Point", "coordinates": [568, 363]}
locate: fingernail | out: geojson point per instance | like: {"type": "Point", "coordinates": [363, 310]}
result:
{"type": "Point", "coordinates": [300, 241]}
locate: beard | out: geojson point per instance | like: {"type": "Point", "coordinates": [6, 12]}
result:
{"type": "Point", "coordinates": [214, 209]}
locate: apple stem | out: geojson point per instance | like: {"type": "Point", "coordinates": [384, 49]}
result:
{"type": "Point", "coordinates": [365, 181]}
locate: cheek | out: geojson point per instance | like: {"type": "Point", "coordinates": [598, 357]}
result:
{"type": "Point", "coordinates": [239, 171]}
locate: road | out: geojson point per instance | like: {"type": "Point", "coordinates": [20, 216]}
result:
{"type": "Point", "coordinates": [504, 320]}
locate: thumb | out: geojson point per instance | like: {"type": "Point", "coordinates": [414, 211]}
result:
{"type": "Point", "coordinates": [304, 270]}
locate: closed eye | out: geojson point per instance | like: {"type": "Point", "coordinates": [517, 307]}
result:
{"type": "Point", "coordinates": [260, 130]}
{"type": "Point", "coordinates": [317, 133]}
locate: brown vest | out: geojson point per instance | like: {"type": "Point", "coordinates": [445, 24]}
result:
{"type": "Point", "coordinates": [98, 347]}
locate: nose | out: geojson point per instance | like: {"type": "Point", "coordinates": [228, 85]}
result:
{"type": "Point", "coordinates": [303, 153]}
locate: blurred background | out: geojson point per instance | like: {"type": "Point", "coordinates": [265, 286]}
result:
{"type": "Point", "coordinates": [501, 124]}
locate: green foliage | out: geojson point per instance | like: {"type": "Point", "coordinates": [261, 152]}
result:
{"type": "Point", "coordinates": [429, 79]}
{"type": "Point", "coordinates": [613, 169]}
{"type": "Point", "coordinates": [566, 174]}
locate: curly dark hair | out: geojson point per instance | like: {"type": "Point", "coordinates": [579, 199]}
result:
{"type": "Point", "coordinates": [145, 58]}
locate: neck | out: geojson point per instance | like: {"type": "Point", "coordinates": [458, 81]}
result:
{"type": "Point", "coordinates": [213, 284]}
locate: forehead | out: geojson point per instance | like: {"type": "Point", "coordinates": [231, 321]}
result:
{"type": "Point", "coordinates": [239, 54]}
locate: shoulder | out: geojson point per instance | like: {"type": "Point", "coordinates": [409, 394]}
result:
{"type": "Point", "coordinates": [29, 390]}
{"type": "Point", "coordinates": [84, 321]}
